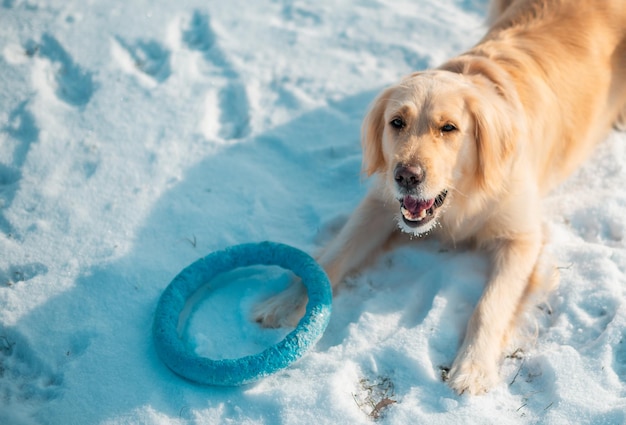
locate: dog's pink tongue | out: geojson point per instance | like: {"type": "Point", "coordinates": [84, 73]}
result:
{"type": "Point", "coordinates": [415, 205]}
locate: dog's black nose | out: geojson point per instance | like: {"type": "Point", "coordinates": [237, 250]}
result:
{"type": "Point", "coordinates": [409, 177]}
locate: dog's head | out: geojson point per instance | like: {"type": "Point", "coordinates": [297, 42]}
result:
{"type": "Point", "coordinates": [435, 138]}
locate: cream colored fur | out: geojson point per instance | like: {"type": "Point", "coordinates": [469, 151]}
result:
{"type": "Point", "coordinates": [528, 104]}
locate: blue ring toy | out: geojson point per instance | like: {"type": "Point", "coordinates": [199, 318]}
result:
{"type": "Point", "coordinates": [231, 372]}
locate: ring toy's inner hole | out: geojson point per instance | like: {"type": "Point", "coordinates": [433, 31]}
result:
{"type": "Point", "coordinates": [215, 322]}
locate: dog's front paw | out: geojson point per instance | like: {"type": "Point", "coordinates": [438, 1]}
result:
{"type": "Point", "coordinates": [282, 310]}
{"type": "Point", "coordinates": [472, 376]}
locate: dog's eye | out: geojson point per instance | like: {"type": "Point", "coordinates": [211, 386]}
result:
{"type": "Point", "coordinates": [397, 123]}
{"type": "Point", "coordinates": [448, 128]}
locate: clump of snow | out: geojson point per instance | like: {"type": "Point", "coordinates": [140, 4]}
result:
{"type": "Point", "coordinates": [136, 137]}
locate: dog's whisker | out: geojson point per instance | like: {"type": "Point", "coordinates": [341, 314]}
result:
{"type": "Point", "coordinates": [455, 190]}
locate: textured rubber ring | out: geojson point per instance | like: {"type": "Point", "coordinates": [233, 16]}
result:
{"type": "Point", "coordinates": [181, 359]}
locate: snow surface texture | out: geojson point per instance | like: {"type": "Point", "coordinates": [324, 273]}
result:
{"type": "Point", "coordinates": [201, 276]}
{"type": "Point", "coordinates": [139, 136]}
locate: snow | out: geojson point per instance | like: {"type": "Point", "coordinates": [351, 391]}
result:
{"type": "Point", "coordinates": [136, 137]}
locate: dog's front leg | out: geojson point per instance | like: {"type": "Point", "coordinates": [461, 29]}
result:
{"type": "Point", "coordinates": [475, 369]}
{"type": "Point", "coordinates": [367, 229]}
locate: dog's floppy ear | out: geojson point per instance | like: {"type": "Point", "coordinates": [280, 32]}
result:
{"type": "Point", "coordinates": [497, 113]}
{"type": "Point", "coordinates": [372, 134]}
{"type": "Point", "coordinates": [496, 134]}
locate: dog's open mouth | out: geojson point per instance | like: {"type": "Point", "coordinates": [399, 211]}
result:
{"type": "Point", "coordinates": [417, 212]}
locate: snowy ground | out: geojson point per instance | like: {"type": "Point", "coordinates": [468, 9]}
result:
{"type": "Point", "coordinates": [138, 136]}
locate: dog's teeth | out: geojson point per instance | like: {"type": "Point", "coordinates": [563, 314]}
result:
{"type": "Point", "coordinates": [422, 214]}
{"type": "Point", "coordinates": [405, 213]}
{"type": "Point", "coordinates": [409, 216]}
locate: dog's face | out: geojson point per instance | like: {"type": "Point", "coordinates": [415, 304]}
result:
{"type": "Point", "coordinates": [435, 137]}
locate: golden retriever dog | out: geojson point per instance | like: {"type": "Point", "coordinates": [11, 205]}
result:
{"type": "Point", "coordinates": [466, 151]}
